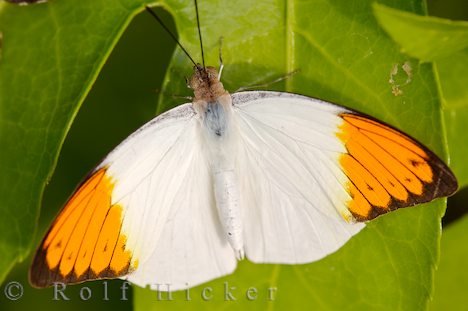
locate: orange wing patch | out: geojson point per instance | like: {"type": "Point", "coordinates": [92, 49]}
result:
{"type": "Point", "coordinates": [85, 241]}
{"type": "Point", "coordinates": [387, 169]}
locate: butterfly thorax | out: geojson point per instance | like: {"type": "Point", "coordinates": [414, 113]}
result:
{"type": "Point", "coordinates": [211, 102]}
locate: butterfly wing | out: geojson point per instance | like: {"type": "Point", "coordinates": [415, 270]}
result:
{"type": "Point", "coordinates": [146, 213]}
{"type": "Point", "coordinates": [311, 171]}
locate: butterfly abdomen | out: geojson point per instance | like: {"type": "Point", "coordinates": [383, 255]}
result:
{"type": "Point", "coordinates": [226, 191]}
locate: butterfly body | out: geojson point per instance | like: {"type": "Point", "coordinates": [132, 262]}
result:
{"type": "Point", "coordinates": [220, 140]}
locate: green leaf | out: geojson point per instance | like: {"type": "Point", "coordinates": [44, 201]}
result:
{"type": "Point", "coordinates": [343, 57]}
{"type": "Point", "coordinates": [51, 55]}
{"type": "Point", "coordinates": [451, 61]}
{"type": "Point", "coordinates": [425, 37]}
{"type": "Point", "coordinates": [120, 101]}
{"type": "Point", "coordinates": [451, 278]}
{"type": "Point", "coordinates": [446, 42]}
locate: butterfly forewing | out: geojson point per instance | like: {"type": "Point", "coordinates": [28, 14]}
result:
{"type": "Point", "coordinates": [141, 215]}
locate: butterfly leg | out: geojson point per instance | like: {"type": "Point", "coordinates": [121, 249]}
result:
{"type": "Point", "coordinates": [175, 96]}
{"type": "Point", "coordinates": [266, 84]}
{"type": "Point", "coordinates": [221, 64]}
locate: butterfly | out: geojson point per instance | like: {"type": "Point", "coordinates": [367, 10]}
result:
{"type": "Point", "coordinates": [273, 177]}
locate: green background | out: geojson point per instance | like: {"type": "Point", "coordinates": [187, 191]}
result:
{"type": "Point", "coordinates": [125, 94]}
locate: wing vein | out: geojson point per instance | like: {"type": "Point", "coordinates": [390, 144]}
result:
{"type": "Point", "coordinates": [156, 165]}
{"type": "Point", "coordinates": [300, 192]}
{"type": "Point", "coordinates": [73, 230]}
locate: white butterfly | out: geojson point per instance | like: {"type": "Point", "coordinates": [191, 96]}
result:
{"type": "Point", "coordinates": [275, 177]}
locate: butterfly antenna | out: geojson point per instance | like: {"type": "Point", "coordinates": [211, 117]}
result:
{"type": "Point", "coordinates": [199, 33]}
{"type": "Point", "coordinates": [172, 35]}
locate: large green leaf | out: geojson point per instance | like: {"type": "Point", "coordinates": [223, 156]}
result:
{"type": "Point", "coordinates": [52, 53]}
{"type": "Point", "coordinates": [118, 103]}
{"type": "Point", "coordinates": [451, 61]}
{"type": "Point", "coordinates": [343, 57]}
